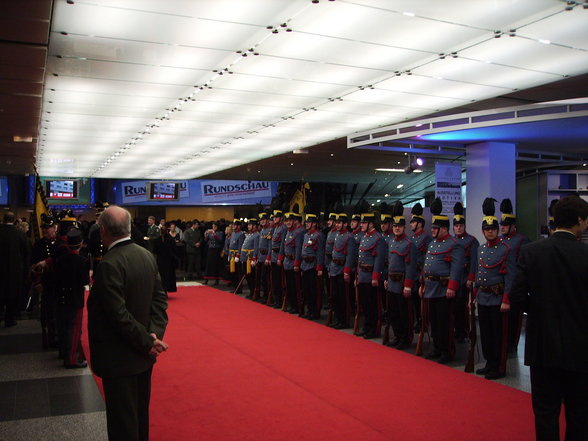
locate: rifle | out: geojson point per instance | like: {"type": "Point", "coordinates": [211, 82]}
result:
{"type": "Point", "coordinates": [386, 316]}
{"type": "Point", "coordinates": [356, 321]}
{"type": "Point", "coordinates": [240, 283]}
{"type": "Point", "coordinates": [270, 286]}
{"type": "Point", "coordinates": [424, 321]}
{"type": "Point", "coordinates": [469, 367]}
{"type": "Point", "coordinates": [257, 287]}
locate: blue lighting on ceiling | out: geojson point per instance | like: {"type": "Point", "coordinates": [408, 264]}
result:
{"type": "Point", "coordinates": [565, 129]}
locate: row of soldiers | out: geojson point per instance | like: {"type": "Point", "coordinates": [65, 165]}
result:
{"type": "Point", "coordinates": [373, 269]}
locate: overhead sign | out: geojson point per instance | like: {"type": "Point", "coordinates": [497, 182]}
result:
{"type": "Point", "coordinates": [136, 191]}
{"type": "Point", "coordinates": [448, 185]}
{"type": "Point", "coordinates": [216, 191]}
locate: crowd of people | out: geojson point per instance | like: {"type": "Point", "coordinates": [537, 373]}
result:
{"type": "Point", "coordinates": [380, 274]}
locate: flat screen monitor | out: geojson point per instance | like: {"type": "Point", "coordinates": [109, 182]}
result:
{"type": "Point", "coordinates": [163, 191]}
{"type": "Point", "coordinates": [62, 189]}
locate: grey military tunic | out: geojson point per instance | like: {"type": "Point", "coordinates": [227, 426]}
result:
{"type": "Point", "coordinates": [313, 251]}
{"type": "Point", "coordinates": [443, 267]}
{"type": "Point", "coordinates": [402, 264]}
{"type": "Point", "coordinates": [495, 270]}
{"type": "Point", "coordinates": [344, 254]}
{"type": "Point", "coordinates": [372, 250]}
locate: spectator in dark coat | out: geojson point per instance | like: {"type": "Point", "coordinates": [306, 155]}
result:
{"type": "Point", "coordinates": [552, 285]}
{"type": "Point", "coordinates": [14, 259]}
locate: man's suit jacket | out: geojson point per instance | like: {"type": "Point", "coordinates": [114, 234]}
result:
{"type": "Point", "coordinates": [552, 281]}
{"type": "Point", "coordinates": [126, 305]}
{"type": "Point", "coordinates": [14, 261]}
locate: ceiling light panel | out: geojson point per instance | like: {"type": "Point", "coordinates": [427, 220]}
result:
{"type": "Point", "coordinates": [490, 15]}
{"type": "Point", "coordinates": [568, 28]}
{"type": "Point", "coordinates": [482, 73]}
{"type": "Point", "coordinates": [416, 84]}
{"type": "Point", "coordinates": [280, 86]}
{"type": "Point", "coordinates": [144, 25]}
{"type": "Point", "coordinates": [383, 25]}
{"type": "Point", "coordinates": [145, 79]}
{"type": "Point", "coordinates": [530, 55]}
{"type": "Point", "coordinates": [137, 52]}
{"type": "Point", "coordinates": [422, 102]}
{"type": "Point", "coordinates": [326, 49]}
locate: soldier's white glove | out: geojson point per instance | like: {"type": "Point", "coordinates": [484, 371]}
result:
{"type": "Point", "coordinates": [236, 260]}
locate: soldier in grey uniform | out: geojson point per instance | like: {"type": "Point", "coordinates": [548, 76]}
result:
{"type": "Point", "coordinates": [370, 263]}
{"type": "Point", "coordinates": [329, 232]}
{"type": "Point", "coordinates": [441, 273]}
{"type": "Point", "coordinates": [248, 255]}
{"type": "Point", "coordinates": [340, 269]}
{"type": "Point", "coordinates": [235, 244]}
{"type": "Point", "coordinates": [311, 265]}
{"type": "Point", "coordinates": [470, 249]}
{"type": "Point", "coordinates": [263, 259]}
{"type": "Point", "coordinates": [400, 275]}
{"type": "Point", "coordinates": [494, 276]}
{"type": "Point", "coordinates": [508, 231]}
{"type": "Point", "coordinates": [289, 259]}
{"type": "Point", "coordinates": [277, 278]}
{"type": "Point", "coordinates": [421, 240]}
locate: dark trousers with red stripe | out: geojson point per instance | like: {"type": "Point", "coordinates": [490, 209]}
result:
{"type": "Point", "coordinates": [490, 319]}
{"type": "Point", "coordinates": [441, 326]}
{"type": "Point", "coordinates": [127, 406]}
{"type": "Point", "coordinates": [277, 286]}
{"type": "Point", "coordinates": [340, 292]}
{"type": "Point", "coordinates": [69, 320]}
{"type": "Point", "coordinates": [368, 296]}
{"type": "Point", "coordinates": [309, 288]}
{"type": "Point", "coordinates": [401, 316]}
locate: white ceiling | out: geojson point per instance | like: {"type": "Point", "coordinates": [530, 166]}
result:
{"type": "Point", "coordinates": [161, 90]}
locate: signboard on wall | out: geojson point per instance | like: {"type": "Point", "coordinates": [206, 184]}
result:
{"type": "Point", "coordinates": [199, 192]}
{"type": "Point", "coordinates": [448, 185]}
{"type": "Point", "coordinates": [136, 191]}
{"type": "Point", "coordinates": [225, 191]}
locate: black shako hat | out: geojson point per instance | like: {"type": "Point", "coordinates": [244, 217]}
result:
{"type": "Point", "coordinates": [458, 216]}
{"type": "Point", "coordinates": [439, 220]}
{"type": "Point", "coordinates": [489, 221]}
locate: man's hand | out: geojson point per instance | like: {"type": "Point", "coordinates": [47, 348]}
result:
{"type": "Point", "coordinates": [504, 307]}
{"type": "Point", "coordinates": [158, 347]}
{"type": "Point", "coordinates": [346, 277]}
{"type": "Point", "coordinates": [319, 273]}
{"type": "Point", "coordinates": [407, 292]}
{"type": "Point", "coordinates": [375, 283]}
{"type": "Point", "coordinates": [470, 284]}
{"type": "Point", "coordinates": [450, 293]}
{"type": "Point", "coordinates": [297, 269]}
{"type": "Point", "coordinates": [253, 263]}
{"type": "Point", "coordinates": [236, 260]}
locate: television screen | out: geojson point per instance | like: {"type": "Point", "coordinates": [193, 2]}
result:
{"type": "Point", "coordinates": [164, 191]}
{"type": "Point", "coordinates": [62, 189]}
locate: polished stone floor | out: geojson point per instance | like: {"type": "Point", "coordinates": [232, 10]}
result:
{"type": "Point", "coordinates": [41, 400]}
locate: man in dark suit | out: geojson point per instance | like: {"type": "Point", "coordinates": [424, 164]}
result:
{"type": "Point", "coordinates": [14, 260]}
{"type": "Point", "coordinates": [552, 284]}
{"type": "Point", "coordinates": [126, 322]}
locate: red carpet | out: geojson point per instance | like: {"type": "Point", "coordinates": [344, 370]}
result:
{"type": "Point", "coordinates": [238, 370]}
